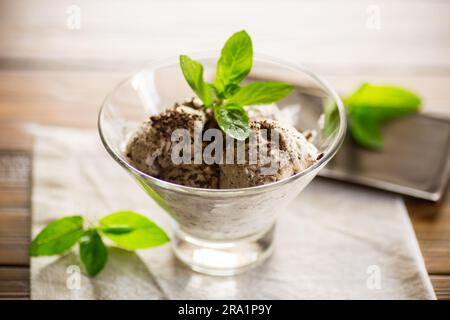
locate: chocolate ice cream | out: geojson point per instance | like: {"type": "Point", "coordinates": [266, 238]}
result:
{"type": "Point", "coordinates": [151, 148]}
{"type": "Point", "coordinates": [289, 155]}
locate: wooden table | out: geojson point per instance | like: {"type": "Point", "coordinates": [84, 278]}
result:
{"type": "Point", "coordinates": [53, 74]}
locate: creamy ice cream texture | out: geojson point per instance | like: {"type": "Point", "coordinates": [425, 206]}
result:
{"type": "Point", "coordinates": [150, 149]}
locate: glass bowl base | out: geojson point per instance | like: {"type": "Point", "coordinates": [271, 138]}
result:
{"type": "Point", "coordinates": [222, 258]}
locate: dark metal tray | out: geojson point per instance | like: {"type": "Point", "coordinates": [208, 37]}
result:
{"type": "Point", "coordinates": [414, 161]}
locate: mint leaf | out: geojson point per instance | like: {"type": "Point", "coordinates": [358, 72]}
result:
{"type": "Point", "coordinates": [235, 62]}
{"type": "Point", "coordinates": [144, 232]}
{"type": "Point", "coordinates": [381, 103]}
{"type": "Point", "coordinates": [366, 132]}
{"type": "Point", "coordinates": [371, 105]}
{"type": "Point", "coordinates": [57, 237]}
{"type": "Point", "coordinates": [93, 252]}
{"type": "Point", "coordinates": [261, 93]}
{"type": "Point", "coordinates": [233, 120]}
{"type": "Point", "coordinates": [193, 73]}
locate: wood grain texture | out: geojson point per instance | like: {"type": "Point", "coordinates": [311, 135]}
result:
{"type": "Point", "coordinates": [54, 98]}
{"type": "Point", "coordinates": [15, 179]}
{"type": "Point", "coordinates": [15, 187]}
{"type": "Point", "coordinates": [14, 282]}
{"type": "Point", "coordinates": [15, 213]}
{"type": "Point", "coordinates": [14, 138]}
{"type": "Point", "coordinates": [14, 237]}
{"type": "Point", "coordinates": [441, 285]}
{"type": "Point", "coordinates": [59, 97]}
{"type": "Point", "coordinates": [431, 223]}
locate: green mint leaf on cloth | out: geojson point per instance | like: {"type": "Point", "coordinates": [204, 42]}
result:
{"type": "Point", "coordinates": [235, 62]}
{"type": "Point", "coordinates": [193, 73]}
{"type": "Point", "coordinates": [57, 237]}
{"type": "Point", "coordinates": [260, 93]}
{"type": "Point", "coordinates": [93, 252]}
{"type": "Point", "coordinates": [233, 120]}
{"type": "Point", "coordinates": [144, 232]}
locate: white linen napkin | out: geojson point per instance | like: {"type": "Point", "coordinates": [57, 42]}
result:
{"type": "Point", "coordinates": [335, 241]}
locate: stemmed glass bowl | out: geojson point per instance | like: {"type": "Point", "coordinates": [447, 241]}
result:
{"type": "Point", "coordinates": [221, 231]}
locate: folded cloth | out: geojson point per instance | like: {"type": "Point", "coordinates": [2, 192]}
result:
{"type": "Point", "coordinates": [335, 241]}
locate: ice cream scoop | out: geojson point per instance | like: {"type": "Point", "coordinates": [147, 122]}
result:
{"type": "Point", "coordinates": [150, 150]}
{"type": "Point", "coordinates": [273, 152]}
{"type": "Point", "coordinates": [280, 153]}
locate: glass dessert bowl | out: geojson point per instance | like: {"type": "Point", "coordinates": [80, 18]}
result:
{"type": "Point", "coordinates": [222, 231]}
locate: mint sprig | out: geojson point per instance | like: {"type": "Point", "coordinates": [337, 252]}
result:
{"type": "Point", "coordinates": [225, 95]}
{"type": "Point", "coordinates": [127, 229]}
{"type": "Point", "coordinates": [368, 108]}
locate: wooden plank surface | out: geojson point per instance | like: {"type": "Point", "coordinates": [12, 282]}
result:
{"type": "Point", "coordinates": [441, 286]}
{"type": "Point", "coordinates": [14, 236]}
{"type": "Point", "coordinates": [50, 74]}
{"type": "Point", "coordinates": [14, 282]}
{"type": "Point", "coordinates": [73, 98]}
{"type": "Point", "coordinates": [15, 213]}
{"type": "Point", "coordinates": [431, 223]}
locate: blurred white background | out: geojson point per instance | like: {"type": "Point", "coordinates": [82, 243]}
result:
{"type": "Point", "coordinates": [346, 36]}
